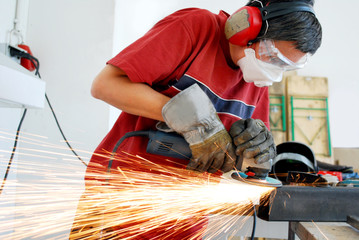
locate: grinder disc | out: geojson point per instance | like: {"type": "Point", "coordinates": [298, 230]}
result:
{"type": "Point", "coordinates": [266, 182]}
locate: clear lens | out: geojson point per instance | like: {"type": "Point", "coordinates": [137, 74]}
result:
{"type": "Point", "coordinates": [270, 54]}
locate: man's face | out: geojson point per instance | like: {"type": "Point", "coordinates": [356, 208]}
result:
{"type": "Point", "coordinates": [288, 49]}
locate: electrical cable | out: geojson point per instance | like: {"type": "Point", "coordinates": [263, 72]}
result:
{"type": "Point", "coordinates": [254, 221]}
{"type": "Point", "coordinates": [127, 135]}
{"type": "Point", "coordinates": [13, 151]}
{"type": "Point", "coordinates": [62, 133]}
{"type": "Point", "coordinates": [35, 62]}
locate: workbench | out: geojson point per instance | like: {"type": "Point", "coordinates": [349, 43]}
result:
{"type": "Point", "coordinates": [314, 213]}
{"type": "Point", "coordinates": [322, 231]}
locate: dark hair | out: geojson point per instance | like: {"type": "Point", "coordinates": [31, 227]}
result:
{"type": "Point", "coordinates": [303, 28]}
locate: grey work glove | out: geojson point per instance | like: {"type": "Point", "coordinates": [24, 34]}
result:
{"type": "Point", "coordinates": [192, 114]}
{"type": "Point", "coordinates": [254, 142]}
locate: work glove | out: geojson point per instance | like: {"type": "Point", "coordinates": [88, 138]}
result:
{"type": "Point", "coordinates": [192, 114]}
{"type": "Point", "coordinates": [254, 145]}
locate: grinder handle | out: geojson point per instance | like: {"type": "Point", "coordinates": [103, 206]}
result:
{"type": "Point", "coordinates": [169, 144]}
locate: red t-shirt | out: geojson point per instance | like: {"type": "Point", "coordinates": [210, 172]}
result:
{"type": "Point", "coordinates": [186, 47]}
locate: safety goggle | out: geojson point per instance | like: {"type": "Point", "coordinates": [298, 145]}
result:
{"type": "Point", "coordinates": [270, 54]}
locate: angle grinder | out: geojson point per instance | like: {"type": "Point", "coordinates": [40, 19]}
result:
{"type": "Point", "coordinates": [171, 144]}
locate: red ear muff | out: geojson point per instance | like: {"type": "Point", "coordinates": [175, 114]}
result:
{"type": "Point", "coordinates": [244, 25]}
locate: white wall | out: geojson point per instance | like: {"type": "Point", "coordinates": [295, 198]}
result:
{"type": "Point", "coordinates": [336, 59]}
{"type": "Point", "coordinates": [72, 40]}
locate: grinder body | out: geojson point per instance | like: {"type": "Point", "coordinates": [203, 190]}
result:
{"type": "Point", "coordinates": [174, 145]}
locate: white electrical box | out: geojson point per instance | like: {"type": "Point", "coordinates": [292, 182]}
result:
{"type": "Point", "coordinates": [18, 86]}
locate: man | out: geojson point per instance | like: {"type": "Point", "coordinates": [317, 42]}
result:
{"type": "Point", "coordinates": [199, 74]}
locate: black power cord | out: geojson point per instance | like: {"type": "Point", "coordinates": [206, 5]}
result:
{"type": "Point", "coordinates": [254, 222]}
{"type": "Point", "coordinates": [16, 52]}
{"type": "Point", "coordinates": [62, 133]}
{"type": "Point", "coordinates": [13, 151]}
{"type": "Point", "coordinates": [127, 135]}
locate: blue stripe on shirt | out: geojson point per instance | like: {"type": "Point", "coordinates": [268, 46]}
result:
{"type": "Point", "coordinates": [232, 107]}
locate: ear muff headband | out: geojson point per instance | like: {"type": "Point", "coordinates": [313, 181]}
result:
{"type": "Point", "coordinates": [280, 9]}
{"type": "Point", "coordinates": [245, 24]}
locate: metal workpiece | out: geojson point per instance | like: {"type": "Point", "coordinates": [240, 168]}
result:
{"type": "Point", "coordinates": [302, 203]}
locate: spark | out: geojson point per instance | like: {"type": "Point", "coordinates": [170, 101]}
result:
{"type": "Point", "coordinates": [142, 201]}
{"type": "Point", "coordinates": [123, 204]}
